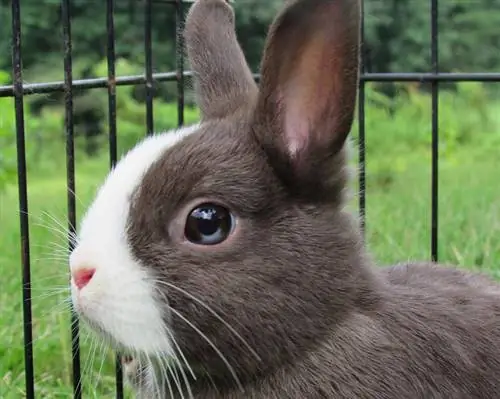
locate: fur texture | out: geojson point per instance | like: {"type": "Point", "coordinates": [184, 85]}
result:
{"type": "Point", "coordinates": [289, 305]}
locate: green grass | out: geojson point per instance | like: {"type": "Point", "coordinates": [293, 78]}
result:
{"type": "Point", "coordinates": [398, 229]}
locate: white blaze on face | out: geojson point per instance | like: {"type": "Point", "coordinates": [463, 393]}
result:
{"type": "Point", "coordinates": [119, 297]}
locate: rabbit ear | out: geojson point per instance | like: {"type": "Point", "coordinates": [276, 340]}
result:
{"type": "Point", "coordinates": [309, 78]}
{"type": "Point", "coordinates": [223, 80]}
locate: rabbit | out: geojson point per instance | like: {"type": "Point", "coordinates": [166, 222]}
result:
{"type": "Point", "coordinates": [222, 259]}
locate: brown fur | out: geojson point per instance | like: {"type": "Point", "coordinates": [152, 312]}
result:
{"type": "Point", "coordinates": [296, 281]}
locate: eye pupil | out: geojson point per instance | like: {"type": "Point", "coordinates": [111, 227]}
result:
{"type": "Point", "coordinates": [207, 220]}
{"type": "Point", "coordinates": [209, 224]}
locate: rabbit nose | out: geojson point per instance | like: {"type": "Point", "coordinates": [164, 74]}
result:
{"type": "Point", "coordinates": [82, 277]}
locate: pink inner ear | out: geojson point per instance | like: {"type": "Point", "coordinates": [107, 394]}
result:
{"type": "Point", "coordinates": [296, 128]}
{"type": "Point", "coordinates": [306, 97]}
{"type": "Point", "coordinates": [299, 111]}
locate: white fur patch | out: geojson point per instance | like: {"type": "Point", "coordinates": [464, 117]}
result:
{"type": "Point", "coordinates": [120, 297]}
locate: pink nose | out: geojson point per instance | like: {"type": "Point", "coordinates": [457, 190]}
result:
{"type": "Point", "coordinates": [82, 277]}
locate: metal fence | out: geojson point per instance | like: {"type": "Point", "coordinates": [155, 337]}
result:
{"type": "Point", "coordinates": [18, 90]}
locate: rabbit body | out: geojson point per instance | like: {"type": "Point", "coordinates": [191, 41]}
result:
{"type": "Point", "coordinates": [222, 259]}
{"type": "Point", "coordinates": [434, 333]}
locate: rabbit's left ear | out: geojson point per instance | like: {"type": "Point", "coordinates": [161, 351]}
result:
{"type": "Point", "coordinates": [223, 80]}
{"type": "Point", "coordinates": [310, 73]}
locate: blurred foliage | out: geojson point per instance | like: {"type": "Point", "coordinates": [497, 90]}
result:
{"type": "Point", "coordinates": [398, 35]}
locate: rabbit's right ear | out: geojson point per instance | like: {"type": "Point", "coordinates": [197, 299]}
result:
{"type": "Point", "coordinates": [308, 89]}
{"type": "Point", "coordinates": [223, 80]}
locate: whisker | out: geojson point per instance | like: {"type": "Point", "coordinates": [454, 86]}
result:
{"type": "Point", "coordinates": [50, 288]}
{"type": "Point", "coordinates": [165, 379]}
{"type": "Point", "coordinates": [168, 364]}
{"type": "Point", "coordinates": [172, 337]}
{"type": "Point", "coordinates": [210, 378]}
{"type": "Point", "coordinates": [103, 358]}
{"type": "Point", "coordinates": [60, 258]}
{"type": "Point", "coordinates": [63, 256]}
{"type": "Point", "coordinates": [86, 363]}
{"type": "Point", "coordinates": [62, 233]}
{"type": "Point", "coordinates": [76, 196]}
{"type": "Point", "coordinates": [95, 353]}
{"type": "Point", "coordinates": [213, 312]}
{"type": "Point", "coordinates": [212, 345]}
{"type": "Point", "coordinates": [157, 383]}
{"type": "Point", "coordinates": [52, 293]}
{"type": "Point", "coordinates": [57, 308]}
{"type": "Point", "coordinates": [52, 244]}
{"type": "Point", "coordinates": [53, 260]}
{"type": "Point", "coordinates": [184, 376]}
{"type": "Point", "coordinates": [181, 367]}
{"type": "Point", "coordinates": [50, 278]}
{"type": "Point", "coordinates": [58, 223]}
{"type": "Point", "coordinates": [175, 375]}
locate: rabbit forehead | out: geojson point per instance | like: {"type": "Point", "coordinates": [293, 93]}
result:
{"type": "Point", "coordinates": [108, 213]}
{"type": "Point", "coordinates": [219, 161]}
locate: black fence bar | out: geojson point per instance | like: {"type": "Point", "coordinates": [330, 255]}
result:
{"type": "Point", "coordinates": [361, 130]}
{"type": "Point", "coordinates": [435, 131]}
{"type": "Point", "coordinates": [149, 66]}
{"type": "Point", "coordinates": [111, 82]}
{"type": "Point", "coordinates": [17, 73]}
{"type": "Point", "coordinates": [179, 21]}
{"type": "Point", "coordinates": [95, 83]}
{"type": "Point", "coordinates": [111, 58]}
{"type": "Point", "coordinates": [70, 174]}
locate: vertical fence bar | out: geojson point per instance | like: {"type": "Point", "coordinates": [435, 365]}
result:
{"type": "Point", "coordinates": [361, 129]}
{"type": "Point", "coordinates": [17, 72]}
{"type": "Point", "coordinates": [179, 51]}
{"type": "Point", "coordinates": [111, 58]}
{"type": "Point", "coordinates": [149, 66]}
{"type": "Point", "coordinates": [435, 131]}
{"type": "Point", "coordinates": [70, 176]}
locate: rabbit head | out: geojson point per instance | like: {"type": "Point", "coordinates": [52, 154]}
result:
{"type": "Point", "coordinates": [225, 243]}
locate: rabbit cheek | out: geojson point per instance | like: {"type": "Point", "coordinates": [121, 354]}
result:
{"type": "Point", "coordinates": [110, 288]}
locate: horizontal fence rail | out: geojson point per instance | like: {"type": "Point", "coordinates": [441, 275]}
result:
{"type": "Point", "coordinates": [96, 83]}
{"type": "Point", "coordinates": [18, 89]}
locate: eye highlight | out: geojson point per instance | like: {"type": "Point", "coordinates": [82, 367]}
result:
{"type": "Point", "coordinates": [209, 224]}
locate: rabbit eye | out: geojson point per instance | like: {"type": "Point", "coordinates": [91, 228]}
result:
{"type": "Point", "coordinates": [209, 224]}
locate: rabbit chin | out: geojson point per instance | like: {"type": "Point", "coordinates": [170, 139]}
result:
{"type": "Point", "coordinates": [120, 299]}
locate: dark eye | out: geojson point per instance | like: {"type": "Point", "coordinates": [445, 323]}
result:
{"type": "Point", "coordinates": [209, 224]}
